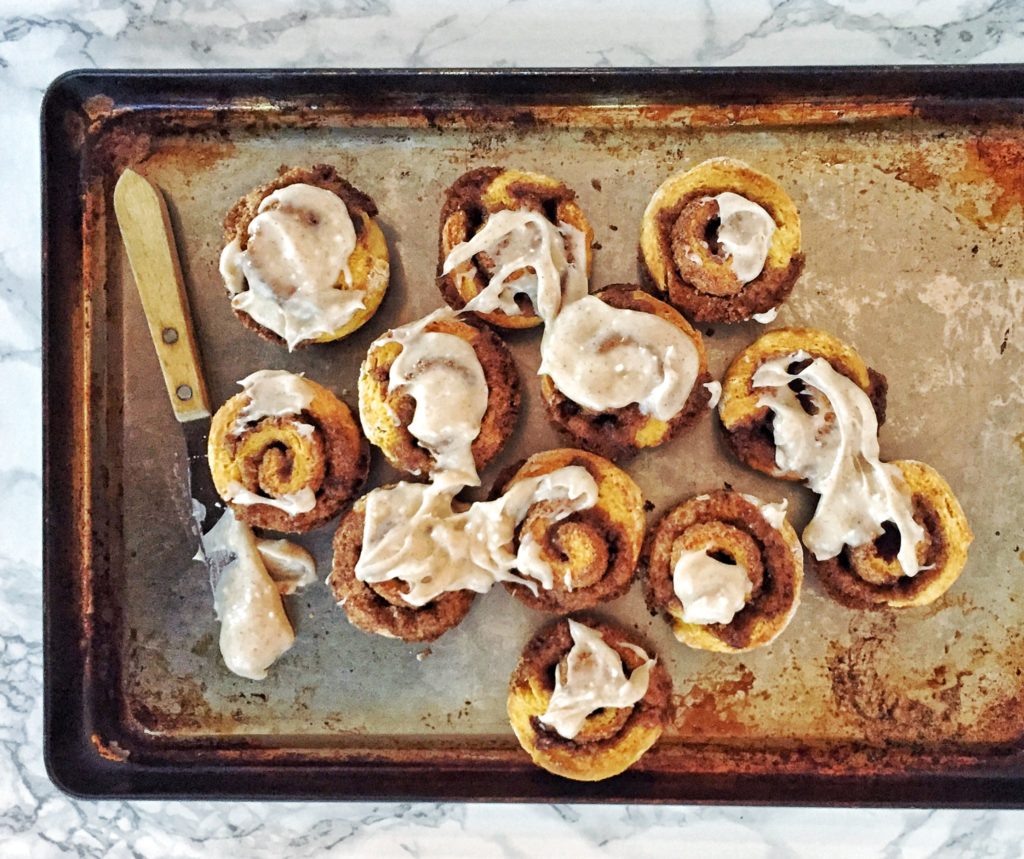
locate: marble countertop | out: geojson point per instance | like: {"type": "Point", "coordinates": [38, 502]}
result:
{"type": "Point", "coordinates": [40, 40]}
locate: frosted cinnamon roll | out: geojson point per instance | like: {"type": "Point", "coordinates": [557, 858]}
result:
{"type": "Point", "coordinates": [381, 606]}
{"type": "Point", "coordinates": [409, 557]}
{"type": "Point", "coordinates": [585, 701]}
{"type": "Point", "coordinates": [285, 453]}
{"type": "Point", "coordinates": [745, 413]}
{"type": "Point", "coordinates": [812, 396]}
{"type": "Point", "coordinates": [870, 575]}
{"type": "Point", "coordinates": [622, 371]}
{"type": "Point", "coordinates": [440, 393]}
{"type": "Point", "coordinates": [514, 247]}
{"type": "Point", "coordinates": [304, 260]}
{"type": "Point", "coordinates": [723, 240]}
{"type": "Point", "coordinates": [577, 552]}
{"type": "Point", "coordinates": [726, 570]}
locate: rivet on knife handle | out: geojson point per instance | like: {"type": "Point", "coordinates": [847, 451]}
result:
{"type": "Point", "coordinates": [146, 231]}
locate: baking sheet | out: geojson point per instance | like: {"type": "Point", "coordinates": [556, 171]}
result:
{"type": "Point", "coordinates": [912, 233]}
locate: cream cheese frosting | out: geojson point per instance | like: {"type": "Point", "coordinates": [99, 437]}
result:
{"type": "Point", "coordinates": [254, 629]}
{"type": "Point", "coordinates": [443, 374]}
{"type": "Point", "coordinates": [272, 394]}
{"type": "Point", "coordinates": [413, 533]}
{"type": "Point", "coordinates": [836, 451]}
{"type": "Point", "coordinates": [528, 252]}
{"type": "Point", "coordinates": [594, 678]}
{"type": "Point", "coordinates": [709, 590]}
{"type": "Point", "coordinates": [744, 234]}
{"type": "Point", "coordinates": [301, 501]}
{"type": "Point", "coordinates": [605, 357]}
{"type": "Point", "coordinates": [289, 565]}
{"type": "Point", "coordinates": [297, 250]}
{"type": "Point", "coordinates": [715, 390]}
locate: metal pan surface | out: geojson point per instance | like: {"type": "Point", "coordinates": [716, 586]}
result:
{"type": "Point", "coordinates": [910, 184]}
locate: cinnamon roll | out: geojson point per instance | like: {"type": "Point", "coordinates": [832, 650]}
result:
{"type": "Point", "coordinates": [870, 575]}
{"type": "Point", "coordinates": [622, 371]}
{"type": "Point", "coordinates": [381, 607]}
{"type": "Point", "coordinates": [723, 240]}
{"type": "Point", "coordinates": [585, 701]}
{"type": "Point", "coordinates": [815, 408]}
{"type": "Point", "coordinates": [304, 259]}
{"type": "Point", "coordinates": [409, 557]}
{"type": "Point", "coordinates": [441, 393]}
{"type": "Point", "coordinates": [726, 570]}
{"type": "Point", "coordinates": [748, 421]}
{"type": "Point", "coordinates": [514, 246]}
{"type": "Point", "coordinates": [575, 553]}
{"type": "Point", "coordinates": [285, 453]}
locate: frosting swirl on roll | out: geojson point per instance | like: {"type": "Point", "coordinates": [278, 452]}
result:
{"type": "Point", "coordinates": [442, 373]}
{"type": "Point", "coordinates": [526, 255]}
{"type": "Point", "coordinates": [296, 255]}
{"type": "Point", "coordinates": [826, 431]}
{"type": "Point", "coordinates": [744, 234]}
{"type": "Point", "coordinates": [272, 394]}
{"type": "Point", "coordinates": [594, 678]}
{"type": "Point", "coordinates": [414, 534]}
{"type": "Point", "coordinates": [605, 357]}
{"type": "Point", "coordinates": [710, 590]}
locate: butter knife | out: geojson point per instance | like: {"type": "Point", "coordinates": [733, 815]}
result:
{"type": "Point", "coordinates": [149, 241]}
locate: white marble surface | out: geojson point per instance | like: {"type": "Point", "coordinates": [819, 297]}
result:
{"type": "Point", "coordinates": [41, 39]}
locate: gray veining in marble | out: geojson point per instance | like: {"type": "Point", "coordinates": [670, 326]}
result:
{"type": "Point", "coordinates": [40, 40]}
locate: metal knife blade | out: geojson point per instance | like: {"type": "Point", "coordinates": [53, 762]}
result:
{"type": "Point", "coordinates": [149, 242]}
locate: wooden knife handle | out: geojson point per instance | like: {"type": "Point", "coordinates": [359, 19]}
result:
{"type": "Point", "coordinates": [149, 241]}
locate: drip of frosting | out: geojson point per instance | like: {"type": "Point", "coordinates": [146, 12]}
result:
{"type": "Point", "coordinates": [528, 253]}
{"type": "Point", "coordinates": [272, 394]}
{"type": "Point", "coordinates": [254, 629]}
{"type": "Point", "coordinates": [442, 373]}
{"type": "Point", "coordinates": [768, 316]}
{"type": "Point", "coordinates": [301, 501]}
{"type": "Point", "coordinates": [605, 357]}
{"type": "Point", "coordinates": [298, 247]}
{"type": "Point", "coordinates": [710, 590]}
{"type": "Point", "coordinates": [413, 534]}
{"type": "Point", "coordinates": [744, 234]}
{"type": "Point", "coordinates": [715, 389]}
{"type": "Point", "coordinates": [835, 450]}
{"type": "Point", "coordinates": [774, 513]}
{"type": "Point", "coordinates": [594, 678]}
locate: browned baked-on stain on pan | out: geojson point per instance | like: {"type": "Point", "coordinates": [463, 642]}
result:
{"type": "Point", "coordinates": [915, 169]}
{"type": "Point", "coordinates": [1019, 441]}
{"type": "Point", "coordinates": [995, 161]}
{"type": "Point", "coordinates": [712, 707]}
{"type": "Point", "coordinates": [882, 708]}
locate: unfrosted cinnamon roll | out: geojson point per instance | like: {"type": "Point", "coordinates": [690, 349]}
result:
{"type": "Point", "coordinates": [585, 701]}
{"type": "Point", "coordinates": [723, 240]}
{"type": "Point", "coordinates": [726, 569]}
{"type": "Point", "coordinates": [870, 575]}
{"type": "Point", "coordinates": [748, 421]}
{"type": "Point", "coordinates": [304, 260]}
{"type": "Point", "coordinates": [622, 371]}
{"type": "Point", "coordinates": [514, 246]}
{"type": "Point", "coordinates": [575, 553]}
{"type": "Point", "coordinates": [439, 393]}
{"type": "Point", "coordinates": [285, 453]}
